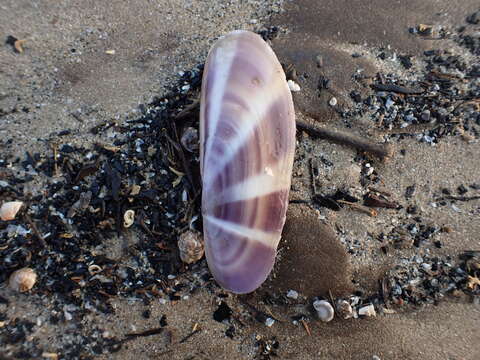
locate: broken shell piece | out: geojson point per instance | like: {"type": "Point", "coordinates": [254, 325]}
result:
{"type": "Point", "coordinates": [324, 310]}
{"type": "Point", "coordinates": [18, 45]}
{"type": "Point", "coordinates": [269, 321]}
{"type": "Point", "coordinates": [22, 280]}
{"type": "Point", "coordinates": [94, 269]}
{"type": "Point", "coordinates": [9, 210]}
{"type": "Point", "coordinates": [191, 246]}
{"type": "Point", "coordinates": [332, 102]}
{"type": "Point", "coordinates": [344, 309]}
{"type": "Point", "coordinates": [292, 294]}
{"type": "Point", "coordinates": [135, 190]}
{"type": "Point", "coordinates": [293, 86]}
{"type": "Point", "coordinates": [128, 218]}
{"type": "Point", "coordinates": [368, 310]}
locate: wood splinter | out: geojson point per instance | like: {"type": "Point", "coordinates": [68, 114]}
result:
{"type": "Point", "coordinates": [358, 207]}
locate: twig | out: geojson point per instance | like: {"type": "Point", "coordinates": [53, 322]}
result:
{"type": "Point", "coordinates": [475, 102]}
{"type": "Point", "coordinates": [413, 129]}
{"type": "Point", "coordinates": [193, 107]}
{"type": "Point", "coordinates": [359, 207]}
{"type": "Point", "coordinates": [35, 230]}
{"type": "Point", "coordinates": [299, 201]}
{"type": "Point", "coordinates": [374, 201]}
{"type": "Point", "coordinates": [189, 336]}
{"type": "Point", "coordinates": [380, 191]}
{"type": "Point", "coordinates": [459, 198]}
{"type": "Point", "coordinates": [305, 325]}
{"type": "Point", "coordinates": [145, 333]}
{"type": "Point", "coordinates": [55, 155]}
{"type": "Point", "coordinates": [383, 151]}
{"type": "Point", "coordinates": [183, 159]}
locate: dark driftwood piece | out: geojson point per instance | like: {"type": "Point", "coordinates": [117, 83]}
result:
{"type": "Point", "coordinates": [382, 151]}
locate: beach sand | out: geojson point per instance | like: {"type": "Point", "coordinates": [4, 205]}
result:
{"type": "Point", "coordinates": [68, 77]}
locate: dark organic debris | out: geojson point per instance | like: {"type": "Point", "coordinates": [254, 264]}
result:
{"type": "Point", "coordinates": [397, 89]}
{"type": "Point", "coordinates": [189, 336]}
{"type": "Point", "coordinates": [222, 313]}
{"type": "Point", "coordinates": [85, 193]}
{"type": "Point", "coordinates": [334, 202]}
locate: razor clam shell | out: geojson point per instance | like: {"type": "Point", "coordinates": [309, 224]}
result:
{"type": "Point", "coordinates": [247, 145]}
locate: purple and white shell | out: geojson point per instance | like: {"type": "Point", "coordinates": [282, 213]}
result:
{"type": "Point", "coordinates": [247, 145]}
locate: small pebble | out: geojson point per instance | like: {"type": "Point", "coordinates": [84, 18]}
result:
{"type": "Point", "coordinates": [332, 102]}
{"type": "Point", "coordinates": [191, 246]}
{"type": "Point", "coordinates": [389, 103]}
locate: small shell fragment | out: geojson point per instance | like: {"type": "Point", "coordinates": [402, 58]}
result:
{"type": "Point", "coordinates": [324, 310]}
{"type": "Point", "coordinates": [191, 246]}
{"type": "Point", "coordinates": [332, 102]}
{"type": "Point", "coordinates": [344, 309]}
{"type": "Point", "coordinates": [292, 294]}
{"type": "Point", "coordinates": [368, 310]}
{"type": "Point", "coordinates": [128, 218]}
{"type": "Point", "coordinates": [9, 210]}
{"type": "Point", "coordinates": [94, 269]}
{"type": "Point", "coordinates": [18, 45]}
{"type": "Point", "coordinates": [293, 86]}
{"type": "Point", "coordinates": [269, 321]}
{"type": "Point", "coordinates": [22, 280]}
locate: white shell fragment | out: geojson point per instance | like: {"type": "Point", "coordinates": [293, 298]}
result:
{"type": "Point", "coordinates": [332, 102]}
{"type": "Point", "coordinates": [292, 294]}
{"type": "Point", "coordinates": [247, 145]}
{"type": "Point", "coordinates": [368, 310]}
{"type": "Point", "coordinates": [293, 86]}
{"type": "Point", "coordinates": [9, 210]}
{"type": "Point", "coordinates": [344, 309]}
{"type": "Point", "coordinates": [324, 310]}
{"type": "Point", "coordinates": [191, 247]}
{"type": "Point", "coordinates": [269, 321]}
{"type": "Point", "coordinates": [128, 218]}
{"type": "Point", "coordinates": [22, 280]}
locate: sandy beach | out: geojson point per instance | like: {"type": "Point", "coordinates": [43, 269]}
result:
{"type": "Point", "coordinates": [94, 97]}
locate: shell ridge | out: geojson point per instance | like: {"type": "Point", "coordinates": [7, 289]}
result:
{"type": "Point", "coordinates": [266, 238]}
{"type": "Point", "coordinates": [246, 131]}
{"type": "Point", "coordinates": [255, 186]}
{"type": "Point", "coordinates": [220, 81]}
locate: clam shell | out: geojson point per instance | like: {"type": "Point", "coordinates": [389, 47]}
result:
{"type": "Point", "coordinates": [247, 145]}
